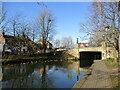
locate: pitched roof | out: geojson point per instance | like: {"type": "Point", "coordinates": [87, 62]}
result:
{"type": "Point", "coordinates": [40, 41]}
{"type": "Point", "coordinates": [82, 45]}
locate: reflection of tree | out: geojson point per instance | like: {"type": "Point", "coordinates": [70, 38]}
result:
{"type": "Point", "coordinates": [37, 75]}
{"type": "Point", "coordinates": [43, 78]}
{"type": "Point", "coordinates": [14, 72]}
{"type": "Point", "coordinates": [16, 76]}
{"type": "Point", "coordinates": [70, 76]}
{"type": "Point", "coordinates": [67, 68]}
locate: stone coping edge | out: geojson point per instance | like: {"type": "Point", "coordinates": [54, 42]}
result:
{"type": "Point", "coordinates": [80, 82]}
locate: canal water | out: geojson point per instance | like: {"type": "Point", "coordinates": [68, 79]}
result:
{"type": "Point", "coordinates": [54, 74]}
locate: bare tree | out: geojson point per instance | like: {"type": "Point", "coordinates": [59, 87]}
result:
{"type": "Point", "coordinates": [2, 16]}
{"type": "Point", "coordinates": [34, 32]}
{"type": "Point", "coordinates": [45, 23]}
{"type": "Point", "coordinates": [103, 23]}
{"type": "Point", "coordinates": [67, 42]}
{"type": "Point", "coordinates": [25, 26]}
{"type": "Point", "coordinates": [18, 24]}
{"type": "Point", "coordinates": [57, 43]}
{"type": "Point", "coordinates": [20, 27]}
{"type": "Point", "coordinates": [13, 26]}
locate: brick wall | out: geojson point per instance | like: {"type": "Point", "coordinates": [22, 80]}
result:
{"type": "Point", "coordinates": [2, 39]}
{"type": "Point", "coordinates": [73, 52]}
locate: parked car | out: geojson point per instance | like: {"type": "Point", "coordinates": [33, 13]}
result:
{"type": "Point", "coordinates": [53, 51]}
{"type": "Point", "coordinates": [8, 50]}
{"type": "Point", "coordinates": [48, 51]}
{"type": "Point", "coordinates": [40, 51]}
{"type": "Point", "coordinates": [61, 49]}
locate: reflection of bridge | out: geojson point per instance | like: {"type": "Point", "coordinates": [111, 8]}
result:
{"type": "Point", "coordinates": [94, 52]}
{"type": "Point", "coordinates": [0, 54]}
{"type": "Point", "coordinates": [1, 50]}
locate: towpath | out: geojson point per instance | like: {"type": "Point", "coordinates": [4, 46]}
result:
{"type": "Point", "coordinates": [99, 77]}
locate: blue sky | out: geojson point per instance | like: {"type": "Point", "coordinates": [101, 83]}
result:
{"type": "Point", "coordinates": [68, 15]}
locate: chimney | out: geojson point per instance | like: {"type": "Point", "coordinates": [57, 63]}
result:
{"type": "Point", "coordinates": [3, 33]}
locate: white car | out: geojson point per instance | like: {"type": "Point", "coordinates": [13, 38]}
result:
{"type": "Point", "coordinates": [47, 51]}
{"type": "Point", "coordinates": [8, 50]}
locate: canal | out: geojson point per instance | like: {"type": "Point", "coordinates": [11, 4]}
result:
{"type": "Point", "coordinates": [52, 74]}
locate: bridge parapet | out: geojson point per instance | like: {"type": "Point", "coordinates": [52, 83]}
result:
{"type": "Point", "coordinates": [73, 52]}
{"type": "Point", "coordinates": [106, 52]}
{"type": "Point", "coordinates": [95, 49]}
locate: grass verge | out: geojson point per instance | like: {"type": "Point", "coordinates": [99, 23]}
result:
{"type": "Point", "coordinates": [113, 67]}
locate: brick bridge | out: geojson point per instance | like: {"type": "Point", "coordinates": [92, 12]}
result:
{"type": "Point", "coordinates": [102, 52]}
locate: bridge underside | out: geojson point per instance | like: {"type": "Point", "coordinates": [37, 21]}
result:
{"type": "Point", "coordinates": [90, 55]}
{"type": "Point", "coordinates": [86, 58]}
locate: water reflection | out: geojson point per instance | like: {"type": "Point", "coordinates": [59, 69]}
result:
{"type": "Point", "coordinates": [41, 75]}
{"type": "Point", "coordinates": [86, 62]}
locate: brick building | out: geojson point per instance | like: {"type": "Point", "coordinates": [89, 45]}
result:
{"type": "Point", "coordinates": [16, 44]}
{"type": "Point", "coordinates": [40, 43]}
{"type": "Point", "coordinates": [83, 45]}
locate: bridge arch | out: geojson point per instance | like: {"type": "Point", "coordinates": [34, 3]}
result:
{"type": "Point", "coordinates": [87, 57]}
{"type": "Point", "coordinates": [91, 55]}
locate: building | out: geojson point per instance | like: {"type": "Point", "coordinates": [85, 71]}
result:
{"type": "Point", "coordinates": [83, 45]}
{"type": "Point", "coordinates": [16, 44]}
{"type": "Point", "coordinates": [40, 43]}
{"type": "Point", "coordinates": [61, 49]}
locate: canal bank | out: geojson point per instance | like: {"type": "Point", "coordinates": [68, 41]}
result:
{"type": "Point", "coordinates": [96, 77]}
{"type": "Point", "coordinates": [14, 59]}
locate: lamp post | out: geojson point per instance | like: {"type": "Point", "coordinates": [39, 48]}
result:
{"type": "Point", "coordinates": [77, 47]}
{"type": "Point", "coordinates": [104, 47]}
{"type": "Point", "coordinates": [106, 30]}
{"type": "Point", "coordinates": [77, 41]}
